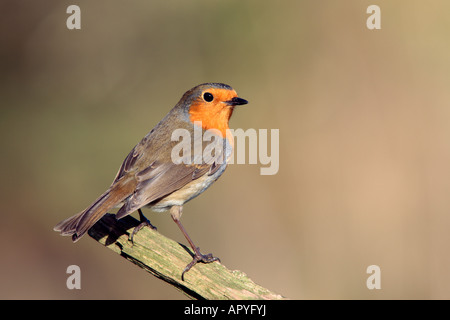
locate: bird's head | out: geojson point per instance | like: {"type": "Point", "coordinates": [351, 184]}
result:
{"type": "Point", "coordinates": [212, 104]}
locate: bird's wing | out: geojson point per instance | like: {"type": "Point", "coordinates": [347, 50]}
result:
{"type": "Point", "coordinates": [159, 178]}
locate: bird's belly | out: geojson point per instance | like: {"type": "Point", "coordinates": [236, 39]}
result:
{"type": "Point", "coordinates": [188, 192]}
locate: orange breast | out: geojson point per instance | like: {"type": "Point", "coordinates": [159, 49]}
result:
{"type": "Point", "coordinates": [214, 117]}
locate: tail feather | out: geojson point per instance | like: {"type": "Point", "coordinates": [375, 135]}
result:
{"type": "Point", "coordinates": [68, 226]}
{"type": "Point", "coordinates": [77, 225]}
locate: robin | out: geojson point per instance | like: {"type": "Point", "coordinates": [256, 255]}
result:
{"type": "Point", "coordinates": [150, 177]}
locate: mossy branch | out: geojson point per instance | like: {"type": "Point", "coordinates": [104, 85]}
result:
{"type": "Point", "coordinates": [166, 259]}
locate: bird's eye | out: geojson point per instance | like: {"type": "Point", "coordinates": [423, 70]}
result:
{"type": "Point", "coordinates": [208, 97]}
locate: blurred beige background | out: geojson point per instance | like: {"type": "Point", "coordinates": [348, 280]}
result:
{"type": "Point", "coordinates": [364, 141]}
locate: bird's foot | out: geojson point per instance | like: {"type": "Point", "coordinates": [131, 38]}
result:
{"type": "Point", "coordinates": [198, 257]}
{"type": "Point", "coordinates": [144, 223]}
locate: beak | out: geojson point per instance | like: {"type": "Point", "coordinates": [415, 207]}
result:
{"type": "Point", "coordinates": [236, 101]}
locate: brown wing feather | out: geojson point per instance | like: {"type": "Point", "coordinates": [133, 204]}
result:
{"type": "Point", "coordinates": [164, 180]}
{"type": "Point", "coordinates": [156, 175]}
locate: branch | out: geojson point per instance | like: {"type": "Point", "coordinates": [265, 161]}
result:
{"type": "Point", "coordinates": [166, 259]}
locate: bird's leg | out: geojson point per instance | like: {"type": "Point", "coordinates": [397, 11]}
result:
{"type": "Point", "coordinates": [176, 212]}
{"type": "Point", "coordinates": [144, 222]}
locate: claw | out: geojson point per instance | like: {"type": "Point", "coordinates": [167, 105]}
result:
{"type": "Point", "coordinates": [198, 257]}
{"type": "Point", "coordinates": [144, 222]}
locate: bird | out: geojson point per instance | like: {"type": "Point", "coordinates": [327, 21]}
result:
{"type": "Point", "coordinates": [152, 177]}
